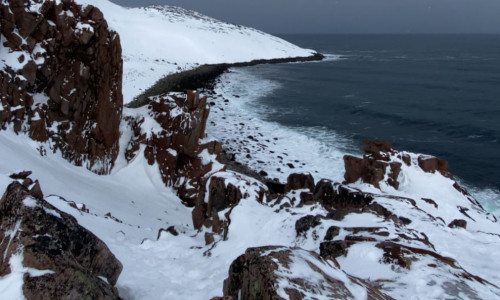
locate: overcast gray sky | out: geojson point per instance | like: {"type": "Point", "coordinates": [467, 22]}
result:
{"type": "Point", "coordinates": [349, 16]}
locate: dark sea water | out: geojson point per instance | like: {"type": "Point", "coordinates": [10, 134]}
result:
{"type": "Point", "coordinates": [433, 94]}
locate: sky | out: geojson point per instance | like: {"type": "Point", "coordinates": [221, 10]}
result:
{"type": "Point", "coordinates": [348, 16]}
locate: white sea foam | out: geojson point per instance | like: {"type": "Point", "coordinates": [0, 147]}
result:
{"type": "Point", "coordinates": [268, 146]}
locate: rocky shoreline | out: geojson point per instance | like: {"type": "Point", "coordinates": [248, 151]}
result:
{"type": "Point", "coordinates": [203, 77]}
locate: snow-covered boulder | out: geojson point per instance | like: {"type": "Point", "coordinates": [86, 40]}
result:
{"type": "Point", "coordinates": [275, 272]}
{"type": "Point", "coordinates": [46, 253]}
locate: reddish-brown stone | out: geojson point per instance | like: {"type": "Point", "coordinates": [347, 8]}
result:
{"type": "Point", "coordinates": [432, 164]}
{"type": "Point", "coordinates": [80, 71]}
{"type": "Point", "coordinates": [53, 240]}
{"type": "Point", "coordinates": [297, 181]}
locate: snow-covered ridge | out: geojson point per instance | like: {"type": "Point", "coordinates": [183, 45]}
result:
{"type": "Point", "coordinates": [159, 40]}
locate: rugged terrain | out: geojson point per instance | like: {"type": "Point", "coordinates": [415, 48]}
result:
{"type": "Point", "coordinates": [103, 201]}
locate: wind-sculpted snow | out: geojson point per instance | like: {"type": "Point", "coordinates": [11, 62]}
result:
{"type": "Point", "coordinates": [161, 40]}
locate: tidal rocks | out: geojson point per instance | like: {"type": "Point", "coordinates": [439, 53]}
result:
{"type": "Point", "coordinates": [67, 85]}
{"type": "Point", "coordinates": [63, 259]}
{"type": "Point", "coordinates": [431, 164]}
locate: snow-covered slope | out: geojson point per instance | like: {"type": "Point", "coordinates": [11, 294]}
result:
{"type": "Point", "coordinates": [160, 40]}
{"type": "Point", "coordinates": [128, 208]}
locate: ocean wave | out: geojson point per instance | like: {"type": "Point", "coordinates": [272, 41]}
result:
{"type": "Point", "coordinates": [268, 146]}
{"type": "Point", "coordinates": [279, 150]}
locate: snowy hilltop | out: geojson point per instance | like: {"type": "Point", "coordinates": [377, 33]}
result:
{"type": "Point", "coordinates": [104, 201]}
{"type": "Point", "coordinates": [160, 40]}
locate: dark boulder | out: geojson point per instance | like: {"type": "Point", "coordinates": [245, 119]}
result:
{"type": "Point", "coordinates": [431, 164]}
{"type": "Point", "coordinates": [331, 233]}
{"type": "Point", "coordinates": [222, 195]}
{"type": "Point", "coordinates": [49, 239]}
{"type": "Point", "coordinates": [371, 170]}
{"type": "Point", "coordinates": [458, 223]}
{"type": "Point", "coordinates": [333, 249]}
{"type": "Point", "coordinates": [298, 181]}
{"type": "Point", "coordinates": [379, 149]}
{"type": "Point", "coordinates": [304, 224]}
{"type": "Point", "coordinates": [265, 273]}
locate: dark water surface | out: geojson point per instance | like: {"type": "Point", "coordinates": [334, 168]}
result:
{"type": "Point", "coordinates": [434, 94]}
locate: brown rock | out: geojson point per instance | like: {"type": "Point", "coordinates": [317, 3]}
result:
{"type": "Point", "coordinates": [261, 272]}
{"type": "Point", "coordinates": [333, 249]}
{"type": "Point", "coordinates": [87, 107]}
{"type": "Point", "coordinates": [331, 233]}
{"type": "Point", "coordinates": [379, 149]}
{"type": "Point", "coordinates": [178, 147]}
{"type": "Point", "coordinates": [209, 238]}
{"type": "Point", "coordinates": [304, 224]}
{"type": "Point", "coordinates": [431, 164]}
{"type": "Point", "coordinates": [52, 240]}
{"type": "Point", "coordinates": [21, 175]}
{"type": "Point", "coordinates": [199, 216]}
{"type": "Point", "coordinates": [298, 181]}
{"type": "Point", "coordinates": [458, 223]}
{"type": "Point", "coordinates": [275, 187]}
{"type": "Point", "coordinates": [222, 196]}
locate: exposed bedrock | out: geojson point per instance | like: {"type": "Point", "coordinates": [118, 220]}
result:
{"type": "Point", "coordinates": [268, 273]}
{"type": "Point", "coordinates": [63, 78]}
{"type": "Point", "coordinates": [172, 132]}
{"type": "Point", "coordinates": [381, 163]}
{"type": "Point", "coordinates": [61, 259]}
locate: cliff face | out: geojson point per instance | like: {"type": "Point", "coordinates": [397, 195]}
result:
{"type": "Point", "coordinates": [171, 129]}
{"type": "Point", "coordinates": [61, 79]}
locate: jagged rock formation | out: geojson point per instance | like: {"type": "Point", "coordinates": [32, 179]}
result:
{"type": "Point", "coordinates": [268, 273]}
{"type": "Point", "coordinates": [381, 162]}
{"type": "Point", "coordinates": [172, 129]}
{"type": "Point", "coordinates": [61, 259]}
{"type": "Point", "coordinates": [225, 191]}
{"type": "Point", "coordinates": [61, 79]}
{"type": "Point", "coordinates": [394, 243]}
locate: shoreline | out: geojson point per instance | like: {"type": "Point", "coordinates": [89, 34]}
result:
{"type": "Point", "coordinates": [204, 77]}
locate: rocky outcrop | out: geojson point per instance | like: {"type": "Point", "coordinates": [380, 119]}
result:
{"type": "Point", "coordinates": [225, 191]}
{"type": "Point", "coordinates": [266, 273]}
{"type": "Point", "coordinates": [381, 162]}
{"type": "Point", "coordinates": [297, 181]}
{"type": "Point", "coordinates": [61, 79]}
{"type": "Point", "coordinates": [172, 132]}
{"type": "Point", "coordinates": [61, 259]}
{"type": "Point", "coordinates": [374, 165]}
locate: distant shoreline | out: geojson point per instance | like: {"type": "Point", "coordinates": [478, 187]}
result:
{"type": "Point", "coordinates": [205, 75]}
